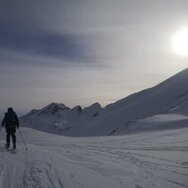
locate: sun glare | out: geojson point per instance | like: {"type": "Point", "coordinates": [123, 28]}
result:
{"type": "Point", "coordinates": [180, 42]}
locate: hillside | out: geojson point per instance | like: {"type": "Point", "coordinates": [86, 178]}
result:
{"type": "Point", "coordinates": [168, 97]}
{"type": "Point", "coordinates": [58, 118]}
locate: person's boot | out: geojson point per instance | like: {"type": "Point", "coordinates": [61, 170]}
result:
{"type": "Point", "coordinates": [14, 146]}
{"type": "Point", "coordinates": [7, 146]}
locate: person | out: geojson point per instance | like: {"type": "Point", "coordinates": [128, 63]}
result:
{"type": "Point", "coordinates": [10, 122]}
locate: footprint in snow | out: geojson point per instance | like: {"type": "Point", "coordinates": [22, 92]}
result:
{"type": "Point", "coordinates": [185, 163]}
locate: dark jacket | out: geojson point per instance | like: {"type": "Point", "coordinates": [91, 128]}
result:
{"type": "Point", "coordinates": [10, 120]}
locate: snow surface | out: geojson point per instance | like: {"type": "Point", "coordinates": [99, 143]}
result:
{"type": "Point", "coordinates": [145, 160]}
{"type": "Point", "coordinates": [153, 123]}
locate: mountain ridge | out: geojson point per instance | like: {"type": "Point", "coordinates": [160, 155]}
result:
{"type": "Point", "coordinates": [169, 96]}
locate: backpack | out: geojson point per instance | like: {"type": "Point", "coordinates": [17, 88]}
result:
{"type": "Point", "coordinates": [11, 120]}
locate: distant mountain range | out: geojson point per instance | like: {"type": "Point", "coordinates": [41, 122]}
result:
{"type": "Point", "coordinates": [159, 105]}
{"type": "Point", "coordinates": [58, 118]}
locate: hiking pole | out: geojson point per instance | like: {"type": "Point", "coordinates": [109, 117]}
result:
{"type": "Point", "coordinates": [23, 140]}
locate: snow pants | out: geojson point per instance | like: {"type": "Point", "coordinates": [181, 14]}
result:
{"type": "Point", "coordinates": [11, 133]}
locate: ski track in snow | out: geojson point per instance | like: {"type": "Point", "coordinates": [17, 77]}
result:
{"type": "Point", "coordinates": [146, 160]}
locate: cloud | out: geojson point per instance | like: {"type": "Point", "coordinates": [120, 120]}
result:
{"type": "Point", "coordinates": [65, 46]}
{"type": "Point", "coordinates": [78, 31]}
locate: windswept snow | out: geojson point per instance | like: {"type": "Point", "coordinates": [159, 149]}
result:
{"type": "Point", "coordinates": [153, 123]}
{"type": "Point", "coordinates": [153, 159]}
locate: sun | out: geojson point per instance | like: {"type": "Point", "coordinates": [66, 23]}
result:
{"type": "Point", "coordinates": [180, 42]}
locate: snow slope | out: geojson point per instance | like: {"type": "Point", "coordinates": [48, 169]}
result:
{"type": "Point", "coordinates": [58, 118]}
{"type": "Point", "coordinates": [169, 97]}
{"type": "Point", "coordinates": [153, 159]}
{"type": "Point", "coordinates": [153, 123]}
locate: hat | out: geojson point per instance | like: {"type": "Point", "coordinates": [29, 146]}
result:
{"type": "Point", "coordinates": [10, 109]}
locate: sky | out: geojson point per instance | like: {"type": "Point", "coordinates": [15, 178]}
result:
{"type": "Point", "coordinates": [85, 51]}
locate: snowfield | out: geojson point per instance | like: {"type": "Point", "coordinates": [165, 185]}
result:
{"type": "Point", "coordinates": [153, 159]}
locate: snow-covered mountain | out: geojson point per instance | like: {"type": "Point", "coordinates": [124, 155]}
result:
{"type": "Point", "coordinates": [168, 97]}
{"type": "Point", "coordinates": [58, 118]}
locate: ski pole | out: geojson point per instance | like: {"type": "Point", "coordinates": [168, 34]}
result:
{"type": "Point", "coordinates": [23, 140]}
{"type": "Point", "coordinates": [0, 129]}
